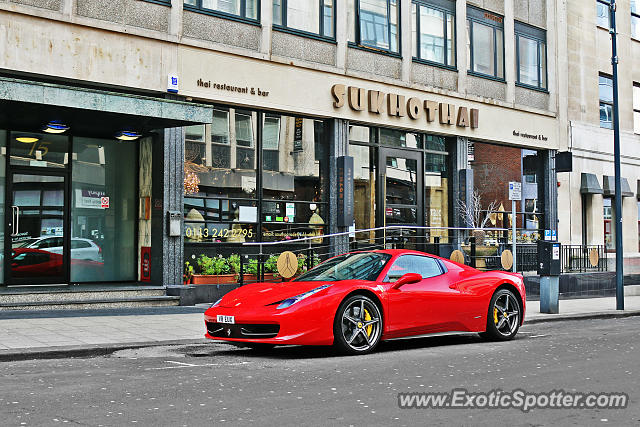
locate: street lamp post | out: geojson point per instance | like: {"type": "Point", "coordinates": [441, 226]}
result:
{"type": "Point", "coordinates": [616, 160]}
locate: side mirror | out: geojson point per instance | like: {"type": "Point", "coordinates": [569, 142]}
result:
{"type": "Point", "coordinates": [407, 279]}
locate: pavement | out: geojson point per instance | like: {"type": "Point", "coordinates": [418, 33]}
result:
{"type": "Point", "coordinates": [28, 335]}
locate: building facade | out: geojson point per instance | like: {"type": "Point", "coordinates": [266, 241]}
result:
{"type": "Point", "coordinates": [247, 109]}
{"type": "Point", "coordinates": [585, 196]}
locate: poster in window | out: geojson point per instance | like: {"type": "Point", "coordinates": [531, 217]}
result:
{"type": "Point", "coordinates": [297, 135]}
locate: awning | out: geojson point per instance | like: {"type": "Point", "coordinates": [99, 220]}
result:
{"type": "Point", "coordinates": [589, 184]}
{"type": "Point", "coordinates": [25, 104]}
{"type": "Point", "coordinates": [609, 185]}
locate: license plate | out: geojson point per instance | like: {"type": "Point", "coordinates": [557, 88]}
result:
{"type": "Point", "coordinates": [226, 319]}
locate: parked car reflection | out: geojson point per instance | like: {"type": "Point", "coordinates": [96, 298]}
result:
{"type": "Point", "coordinates": [81, 249]}
{"type": "Point", "coordinates": [29, 262]}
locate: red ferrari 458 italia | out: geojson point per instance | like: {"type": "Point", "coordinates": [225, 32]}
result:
{"type": "Point", "coordinates": [354, 301]}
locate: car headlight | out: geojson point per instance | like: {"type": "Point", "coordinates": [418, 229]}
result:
{"type": "Point", "coordinates": [290, 301]}
{"type": "Point", "coordinates": [216, 303]}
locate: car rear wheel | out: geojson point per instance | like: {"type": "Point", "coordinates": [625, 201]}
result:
{"type": "Point", "coordinates": [357, 327]}
{"type": "Point", "coordinates": [503, 319]}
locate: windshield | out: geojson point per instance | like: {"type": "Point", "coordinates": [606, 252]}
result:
{"type": "Point", "coordinates": [24, 243]}
{"type": "Point", "coordinates": [358, 266]}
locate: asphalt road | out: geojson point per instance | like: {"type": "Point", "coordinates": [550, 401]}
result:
{"type": "Point", "coordinates": [217, 384]}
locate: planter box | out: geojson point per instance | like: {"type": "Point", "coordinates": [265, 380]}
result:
{"type": "Point", "coordinates": [213, 279]}
{"type": "Point", "coordinates": [252, 278]}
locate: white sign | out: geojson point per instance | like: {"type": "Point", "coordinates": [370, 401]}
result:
{"type": "Point", "coordinates": [247, 214]}
{"type": "Point", "coordinates": [515, 190]}
{"type": "Point", "coordinates": [172, 83]}
{"type": "Point", "coordinates": [556, 252]}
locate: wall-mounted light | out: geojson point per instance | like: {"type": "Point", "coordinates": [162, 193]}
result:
{"type": "Point", "coordinates": [27, 139]}
{"type": "Point", "coordinates": [55, 126]}
{"type": "Point", "coordinates": [127, 135]}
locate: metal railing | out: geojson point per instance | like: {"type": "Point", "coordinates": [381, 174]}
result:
{"type": "Point", "coordinates": [583, 258]}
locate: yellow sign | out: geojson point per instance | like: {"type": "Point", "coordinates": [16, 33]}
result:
{"type": "Point", "coordinates": [287, 264]}
{"type": "Point", "coordinates": [457, 256]}
{"type": "Point", "coordinates": [594, 257]}
{"type": "Point", "coordinates": [506, 259]}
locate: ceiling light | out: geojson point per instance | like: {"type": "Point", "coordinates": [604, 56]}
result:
{"type": "Point", "coordinates": [127, 135]}
{"type": "Point", "coordinates": [55, 126]}
{"type": "Point", "coordinates": [27, 139]}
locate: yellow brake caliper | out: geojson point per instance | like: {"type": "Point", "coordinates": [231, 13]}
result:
{"type": "Point", "coordinates": [495, 315]}
{"type": "Point", "coordinates": [367, 317]}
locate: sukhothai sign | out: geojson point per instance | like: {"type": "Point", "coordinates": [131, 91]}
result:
{"type": "Point", "coordinates": [360, 99]}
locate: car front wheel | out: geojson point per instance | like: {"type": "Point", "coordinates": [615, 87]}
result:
{"type": "Point", "coordinates": [357, 327]}
{"type": "Point", "coordinates": [504, 317]}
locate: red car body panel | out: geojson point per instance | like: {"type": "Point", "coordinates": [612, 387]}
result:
{"type": "Point", "coordinates": [455, 301]}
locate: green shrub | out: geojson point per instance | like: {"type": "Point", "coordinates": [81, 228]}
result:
{"type": "Point", "coordinates": [213, 266]}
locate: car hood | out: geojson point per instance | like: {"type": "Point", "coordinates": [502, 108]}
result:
{"type": "Point", "coordinates": [260, 294]}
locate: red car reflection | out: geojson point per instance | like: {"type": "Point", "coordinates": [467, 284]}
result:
{"type": "Point", "coordinates": [27, 262]}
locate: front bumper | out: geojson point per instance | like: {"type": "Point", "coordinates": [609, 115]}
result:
{"type": "Point", "coordinates": [303, 325]}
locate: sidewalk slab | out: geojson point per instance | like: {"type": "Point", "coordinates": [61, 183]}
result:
{"type": "Point", "coordinates": [586, 308]}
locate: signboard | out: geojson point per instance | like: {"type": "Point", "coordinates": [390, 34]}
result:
{"type": "Point", "coordinates": [297, 135]}
{"type": "Point", "coordinates": [547, 234]}
{"type": "Point", "coordinates": [104, 202]}
{"type": "Point", "coordinates": [515, 190]}
{"type": "Point", "coordinates": [554, 235]}
{"type": "Point", "coordinates": [345, 191]}
{"type": "Point", "coordinates": [145, 264]}
{"type": "Point", "coordinates": [555, 254]}
{"type": "Point", "coordinates": [172, 83]}
{"type": "Point", "coordinates": [287, 264]}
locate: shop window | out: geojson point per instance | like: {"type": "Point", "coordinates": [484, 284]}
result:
{"type": "Point", "coordinates": [636, 107]}
{"type": "Point", "coordinates": [374, 24]}
{"type": "Point", "coordinates": [609, 242]}
{"type": "Point", "coordinates": [605, 85]}
{"type": "Point", "coordinates": [485, 53]}
{"type": "Point", "coordinates": [531, 52]}
{"type": "Point", "coordinates": [638, 226]}
{"type": "Point", "coordinates": [39, 150]}
{"type": "Point", "coordinates": [635, 19]}
{"type": "Point", "coordinates": [309, 16]}
{"type": "Point", "coordinates": [271, 143]}
{"type": "Point", "coordinates": [103, 240]}
{"type": "Point", "coordinates": [433, 31]}
{"type": "Point", "coordinates": [246, 9]}
{"type": "Point", "coordinates": [602, 13]}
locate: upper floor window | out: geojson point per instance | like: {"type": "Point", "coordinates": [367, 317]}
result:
{"type": "Point", "coordinates": [635, 19]}
{"type": "Point", "coordinates": [605, 85]}
{"type": "Point", "coordinates": [531, 53]}
{"type": "Point", "coordinates": [636, 107]}
{"type": "Point", "coordinates": [602, 13]}
{"type": "Point", "coordinates": [433, 31]}
{"type": "Point", "coordinates": [485, 35]}
{"type": "Point", "coordinates": [374, 23]}
{"type": "Point", "coordinates": [311, 16]}
{"type": "Point", "coordinates": [247, 9]}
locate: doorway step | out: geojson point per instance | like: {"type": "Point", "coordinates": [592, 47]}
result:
{"type": "Point", "coordinates": [84, 297]}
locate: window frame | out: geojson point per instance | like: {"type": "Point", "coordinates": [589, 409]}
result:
{"type": "Point", "coordinates": [471, 19]}
{"type": "Point", "coordinates": [358, 36]}
{"type": "Point", "coordinates": [388, 277]}
{"type": "Point", "coordinates": [310, 34]}
{"type": "Point", "coordinates": [538, 35]}
{"type": "Point", "coordinates": [634, 109]}
{"type": "Point", "coordinates": [600, 101]}
{"type": "Point", "coordinates": [608, 5]}
{"type": "Point", "coordinates": [220, 14]}
{"type": "Point", "coordinates": [449, 9]}
{"type": "Point", "coordinates": [635, 15]}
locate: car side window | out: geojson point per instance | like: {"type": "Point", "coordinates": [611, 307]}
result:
{"type": "Point", "coordinates": [79, 244]}
{"type": "Point", "coordinates": [423, 265]}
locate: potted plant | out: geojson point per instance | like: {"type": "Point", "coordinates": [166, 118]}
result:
{"type": "Point", "coordinates": [214, 270]}
{"type": "Point", "coordinates": [187, 275]}
{"type": "Point", "coordinates": [271, 268]}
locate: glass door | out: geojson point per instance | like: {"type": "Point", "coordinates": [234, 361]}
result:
{"type": "Point", "coordinates": [401, 193]}
{"type": "Point", "coordinates": [37, 250]}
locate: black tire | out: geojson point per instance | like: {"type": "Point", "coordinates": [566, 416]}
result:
{"type": "Point", "coordinates": [357, 327]}
{"type": "Point", "coordinates": [503, 317]}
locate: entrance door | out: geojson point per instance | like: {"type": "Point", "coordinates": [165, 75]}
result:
{"type": "Point", "coordinates": [401, 193]}
{"type": "Point", "coordinates": [37, 252]}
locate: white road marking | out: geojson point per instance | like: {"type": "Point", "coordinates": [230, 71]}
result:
{"type": "Point", "coordinates": [180, 365]}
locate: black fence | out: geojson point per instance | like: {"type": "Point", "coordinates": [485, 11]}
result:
{"type": "Point", "coordinates": [583, 258]}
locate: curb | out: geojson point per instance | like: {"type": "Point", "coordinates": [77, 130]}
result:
{"type": "Point", "coordinates": [64, 352]}
{"type": "Point", "coordinates": [585, 316]}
